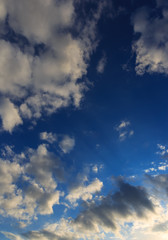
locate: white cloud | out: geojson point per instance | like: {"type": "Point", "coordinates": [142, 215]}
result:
{"type": "Point", "coordinates": [67, 144]}
{"type": "Point", "coordinates": [38, 172]}
{"type": "Point", "coordinates": [101, 64]}
{"type": "Point", "coordinates": [124, 130]}
{"type": "Point", "coordinates": [84, 192]}
{"type": "Point", "coordinates": [95, 169]}
{"type": "Point", "coordinates": [163, 150]}
{"type": "Point", "coordinates": [151, 48]}
{"type": "Point", "coordinates": [123, 124]}
{"type": "Point", "coordinates": [131, 212]}
{"type": "Point", "coordinates": [163, 168]}
{"type": "Point", "coordinates": [11, 236]}
{"type": "Point", "coordinates": [9, 115]}
{"type": "Point", "coordinates": [49, 137]}
{"type": "Point", "coordinates": [48, 80]}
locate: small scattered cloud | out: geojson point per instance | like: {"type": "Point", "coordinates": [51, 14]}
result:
{"type": "Point", "coordinates": [67, 143]}
{"type": "Point", "coordinates": [48, 137]}
{"type": "Point", "coordinates": [124, 130]}
{"type": "Point", "coordinates": [95, 169]}
{"type": "Point", "coordinates": [101, 64]}
{"type": "Point", "coordinates": [163, 150]}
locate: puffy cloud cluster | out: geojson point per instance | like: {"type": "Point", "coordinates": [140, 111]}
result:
{"type": "Point", "coordinates": [39, 71]}
{"type": "Point", "coordinates": [65, 142]}
{"type": "Point", "coordinates": [151, 48]}
{"type": "Point", "coordinates": [28, 183]}
{"type": "Point", "coordinates": [128, 213]}
{"type": "Point", "coordinates": [129, 201]}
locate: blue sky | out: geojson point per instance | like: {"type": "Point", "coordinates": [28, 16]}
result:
{"type": "Point", "coordinates": [83, 119]}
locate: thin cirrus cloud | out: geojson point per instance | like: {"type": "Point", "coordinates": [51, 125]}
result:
{"type": "Point", "coordinates": [46, 79]}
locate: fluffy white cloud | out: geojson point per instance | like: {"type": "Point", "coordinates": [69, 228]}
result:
{"type": "Point", "coordinates": [67, 144]}
{"type": "Point", "coordinates": [15, 68]}
{"type": "Point", "coordinates": [38, 172]}
{"type": "Point", "coordinates": [151, 48]}
{"type": "Point", "coordinates": [84, 192]}
{"type": "Point", "coordinates": [9, 115]}
{"type": "Point", "coordinates": [43, 74]}
{"type": "Point", "coordinates": [49, 137]}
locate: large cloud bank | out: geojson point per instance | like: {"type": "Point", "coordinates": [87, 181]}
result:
{"type": "Point", "coordinates": [43, 55]}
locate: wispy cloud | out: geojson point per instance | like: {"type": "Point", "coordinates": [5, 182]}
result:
{"type": "Point", "coordinates": [124, 130]}
{"type": "Point", "coordinates": [101, 64]}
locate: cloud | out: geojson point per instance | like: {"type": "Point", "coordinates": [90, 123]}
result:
{"type": "Point", "coordinates": [95, 169]}
{"type": "Point", "coordinates": [101, 64]}
{"type": "Point", "coordinates": [9, 114]}
{"type": "Point", "coordinates": [151, 48]}
{"type": "Point", "coordinates": [11, 236]}
{"type": "Point", "coordinates": [49, 137]}
{"type": "Point", "coordinates": [128, 213]}
{"type": "Point", "coordinates": [84, 192]}
{"type": "Point", "coordinates": [163, 151]}
{"type": "Point", "coordinates": [28, 183]}
{"type": "Point", "coordinates": [129, 201]}
{"type": "Point", "coordinates": [124, 130]}
{"type": "Point", "coordinates": [67, 144]}
{"type": "Point", "coordinates": [39, 72]}
{"type": "Point", "coordinates": [159, 182]}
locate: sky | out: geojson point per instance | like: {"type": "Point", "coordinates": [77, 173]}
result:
{"type": "Point", "coordinates": [83, 119]}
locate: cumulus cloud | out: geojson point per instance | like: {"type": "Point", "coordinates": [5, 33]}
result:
{"type": "Point", "coordinates": [128, 201]}
{"type": "Point", "coordinates": [9, 115]}
{"type": "Point", "coordinates": [38, 172]}
{"type": "Point", "coordinates": [67, 144]}
{"type": "Point", "coordinates": [84, 192]}
{"type": "Point", "coordinates": [49, 137]}
{"type": "Point", "coordinates": [128, 213]}
{"type": "Point", "coordinates": [151, 48]}
{"type": "Point", "coordinates": [42, 73]}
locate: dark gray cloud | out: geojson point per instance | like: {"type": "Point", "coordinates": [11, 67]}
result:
{"type": "Point", "coordinates": [127, 201]}
{"type": "Point", "coordinates": [44, 234]}
{"type": "Point", "coordinates": [159, 182]}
